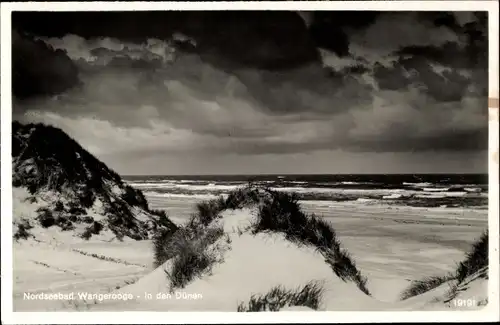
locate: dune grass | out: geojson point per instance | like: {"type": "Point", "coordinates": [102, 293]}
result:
{"type": "Point", "coordinates": [188, 247]}
{"type": "Point", "coordinates": [309, 295]}
{"type": "Point", "coordinates": [22, 231]}
{"type": "Point", "coordinates": [191, 255]}
{"type": "Point", "coordinates": [279, 212]}
{"type": "Point", "coordinates": [427, 284]}
{"type": "Point", "coordinates": [94, 229]}
{"type": "Point", "coordinates": [208, 211]}
{"type": "Point", "coordinates": [243, 197]}
{"type": "Point", "coordinates": [475, 260]}
{"type": "Point", "coordinates": [161, 246]}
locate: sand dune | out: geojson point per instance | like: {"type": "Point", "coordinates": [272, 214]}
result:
{"type": "Point", "coordinates": [250, 265]}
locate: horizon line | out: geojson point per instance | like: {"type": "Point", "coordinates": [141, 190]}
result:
{"type": "Point", "coordinates": [306, 174]}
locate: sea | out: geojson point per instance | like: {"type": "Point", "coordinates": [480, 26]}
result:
{"type": "Point", "coordinates": [416, 190]}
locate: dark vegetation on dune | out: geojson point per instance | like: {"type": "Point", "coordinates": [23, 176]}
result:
{"type": "Point", "coordinates": [475, 260]}
{"type": "Point", "coordinates": [278, 297]}
{"type": "Point", "coordinates": [281, 212]}
{"type": "Point", "coordinates": [190, 254]}
{"type": "Point", "coordinates": [474, 263]}
{"type": "Point", "coordinates": [427, 284]}
{"type": "Point", "coordinates": [197, 226]}
{"type": "Point", "coordinates": [188, 246]}
{"type": "Point", "coordinates": [206, 212]}
{"type": "Point", "coordinates": [278, 212]}
{"type": "Point", "coordinates": [22, 231]}
{"type": "Point", "coordinates": [47, 159]}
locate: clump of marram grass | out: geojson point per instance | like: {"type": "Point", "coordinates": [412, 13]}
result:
{"type": "Point", "coordinates": [158, 212]}
{"type": "Point", "coordinates": [427, 284]}
{"type": "Point", "coordinates": [189, 246]}
{"type": "Point", "coordinates": [91, 230]}
{"type": "Point", "coordinates": [281, 213]}
{"type": "Point", "coordinates": [278, 297]}
{"type": "Point", "coordinates": [243, 197]}
{"type": "Point", "coordinates": [161, 245]}
{"type": "Point", "coordinates": [166, 241]}
{"type": "Point", "coordinates": [474, 266]}
{"type": "Point", "coordinates": [476, 260]}
{"type": "Point", "coordinates": [45, 217]}
{"type": "Point", "coordinates": [22, 231]}
{"type": "Point", "coordinates": [191, 254]}
{"type": "Point", "coordinates": [86, 234]}
{"type": "Point", "coordinates": [345, 268]}
{"type": "Point", "coordinates": [207, 211]}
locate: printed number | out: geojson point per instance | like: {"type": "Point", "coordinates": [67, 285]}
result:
{"type": "Point", "coordinates": [464, 302]}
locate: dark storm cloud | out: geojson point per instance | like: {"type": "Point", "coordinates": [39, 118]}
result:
{"type": "Point", "coordinates": [128, 58]}
{"type": "Point", "coordinates": [40, 70]}
{"type": "Point", "coordinates": [440, 82]}
{"type": "Point", "coordinates": [461, 141]}
{"type": "Point", "coordinates": [448, 85]}
{"type": "Point", "coordinates": [444, 71]}
{"type": "Point", "coordinates": [450, 55]}
{"type": "Point", "coordinates": [473, 140]}
{"type": "Point", "coordinates": [391, 78]}
{"type": "Point", "coordinates": [471, 53]}
{"type": "Point", "coordinates": [328, 29]}
{"type": "Point", "coordinates": [264, 39]}
{"type": "Point", "coordinates": [309, 89]}
{"type": "Point", "coordinates": [268, 82]}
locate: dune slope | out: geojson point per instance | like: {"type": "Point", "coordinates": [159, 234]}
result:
{"type": "Point", "coordinates": [256, 270]}
{"type": "Point", "coordinates": [59, 184]}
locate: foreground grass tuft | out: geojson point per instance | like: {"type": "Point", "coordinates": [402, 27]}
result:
{"type": "Point", "coordinates": [421, 286]}
{"type": "Point", "coordinates": [345, 268]}
{"type": "Point", "coordinates": [475, 260]}
{"type": "Point", "coordinates": [161, 246]}
{"type": "Point", "coordinates": [192, 255]}
{"type": "Point", "coordinates": [278, 297]}
{"type": "Point", "coordinates": [188, 247]}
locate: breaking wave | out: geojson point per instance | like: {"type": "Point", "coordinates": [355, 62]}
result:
{"type": "Point", "coordinates": [462, 193]}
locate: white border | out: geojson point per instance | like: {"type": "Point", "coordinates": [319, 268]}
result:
{"type": "Point", "coordinates": [412, 5]}
{"type": "Point", "coordinates": [490, 313]}
{"type": "Point", "coordinates": [493, 166]}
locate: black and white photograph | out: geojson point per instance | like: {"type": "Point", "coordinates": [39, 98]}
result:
{"type": "Point", "coordinates": [249, 160]}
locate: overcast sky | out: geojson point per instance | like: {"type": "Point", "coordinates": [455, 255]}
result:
{"type": "Point", "coordinates": [260, 92]}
